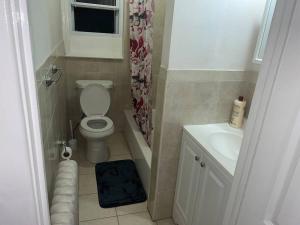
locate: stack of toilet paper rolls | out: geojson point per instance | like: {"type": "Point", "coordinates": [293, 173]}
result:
{"type": "Point", "coordinates": [64, 208]}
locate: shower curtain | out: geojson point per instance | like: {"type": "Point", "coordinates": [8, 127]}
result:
{"type": "Point", "coordinates": [141, 28]}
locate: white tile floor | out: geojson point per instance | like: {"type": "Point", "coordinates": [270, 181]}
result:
{"type": "Point", "coordinates": [90, 213]}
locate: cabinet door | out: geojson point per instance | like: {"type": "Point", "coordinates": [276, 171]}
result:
{"type": "Point", "coordinates": [213, 193]}
{"type": "Point", "coordinates": [187, 180]}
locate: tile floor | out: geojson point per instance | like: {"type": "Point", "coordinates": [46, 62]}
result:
{"type": "Point", "coordinates": [90, 213]}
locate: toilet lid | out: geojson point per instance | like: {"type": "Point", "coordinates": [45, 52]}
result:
{"type": "Point", "coordinates": [95, 100]}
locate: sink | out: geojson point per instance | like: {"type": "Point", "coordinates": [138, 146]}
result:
{"type": "Point", "coordinates": [220, 140]}
{"type": "Point", "coordinates": [226, 143]}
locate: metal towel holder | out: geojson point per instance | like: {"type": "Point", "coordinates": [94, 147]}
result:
{"type": "Point", "coordinates": [52, 75]}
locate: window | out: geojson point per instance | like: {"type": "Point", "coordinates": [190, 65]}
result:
{"type": "Point", "coordinates": [93, 28]}
{"type": "Point", "coordinates": [264, 31]}
{"type": "Point", "coordinates": [96, 16]}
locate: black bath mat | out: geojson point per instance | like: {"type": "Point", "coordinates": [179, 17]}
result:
{"type": "Point", "coordinates": [118, 184]}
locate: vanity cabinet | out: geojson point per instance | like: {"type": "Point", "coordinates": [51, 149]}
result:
{"type": "Point", "coordinates": [202, 187]}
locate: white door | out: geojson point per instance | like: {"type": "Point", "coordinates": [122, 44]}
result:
{"type": "Point", "coordinates": [269, 191]}
{"type": "Point", "coordinates": [23, 194]}
{"type": "Point", "coordinates": [213, 194]}
{"type": "Point", "coordinates": [188, 176]}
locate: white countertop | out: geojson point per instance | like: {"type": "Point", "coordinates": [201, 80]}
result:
{"type": "Point", "coordinates": [202, 135]}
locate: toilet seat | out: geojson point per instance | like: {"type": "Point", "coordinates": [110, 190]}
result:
{"type": "Point", "coordinates": [96, 124]}
{"type": "Point", "coordinates": [95, 100]}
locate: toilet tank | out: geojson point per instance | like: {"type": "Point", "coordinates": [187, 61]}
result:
{"type": "Point", "coordinates": [81, 84]}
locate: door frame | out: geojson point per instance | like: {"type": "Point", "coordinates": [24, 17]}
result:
{"type": "Point", "coordinates": [263, 93]}
{"type": "Point", "coordinates": [17, 16]}
{"type": "Point", "coordinates": [19, 46]}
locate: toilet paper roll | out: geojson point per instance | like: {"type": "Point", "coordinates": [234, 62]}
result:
{"type": "Point", "coordinates": [62, 218]}
{"type": "Point", "coordinates": [63, 207]}
{"type": "Point", "coordinates": [67, 190]}
{"type": "Point", "coordinates": [65, 182]}
{"type": "Point", "coordinates": [64, 198]}
{"type": "Point", "coordinates": [66, 153]}
{"type": "Point", "coordinates": [68, 163]}
{"type": "Point", "coordinates": [67, 170]}
{"type": "Point", "coordinates": [67, 176]}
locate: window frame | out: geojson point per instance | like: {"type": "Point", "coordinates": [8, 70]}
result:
{"type": "Point", "coordinates": [90, 44]}
{"type": "Point", "coordinates": [116, 9]}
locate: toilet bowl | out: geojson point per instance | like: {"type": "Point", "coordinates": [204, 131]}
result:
{"type": "Point", "coordinates": [95, 127]}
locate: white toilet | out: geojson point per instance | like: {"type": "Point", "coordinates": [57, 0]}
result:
{"type": "Point", "coordinates": [95, 127]}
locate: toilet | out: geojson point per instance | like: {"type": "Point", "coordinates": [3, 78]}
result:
{"type": "Point", "coordinates": [95, 127]}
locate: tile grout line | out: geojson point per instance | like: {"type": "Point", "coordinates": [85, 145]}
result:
{"type": "Point", "coordinates": [87, 194]}
{"type": "Point", "coordinates": [117, 216]}
{"type": "Point", "coordinates": [88, 172]}
{"type": "Point", "coordinates": [102, 218]}
{"type": "Point", "coordinates": [134, 213]}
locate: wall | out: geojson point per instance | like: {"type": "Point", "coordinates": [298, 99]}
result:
{"type": "Point", "coordinates": [167, 33]}
{"type": "Point", "coordinates": [22, 196]}
{"type": "Point", "coordinates": [116, 70]}
{"type": "Point", "coordinates": [52, 104]}
{"type": "Point", "coordinates": [188, 97]}
{"type": "Point", "coordinates": [206, 64]}
{"type": "Point", "coordinates": [214, 34]}
{"type": "Point", "coordinates": [45, 28]}
{"type": "Point", "coordinates": [158, 35]}
{"type": "Point", "coordinates": [47, 46]}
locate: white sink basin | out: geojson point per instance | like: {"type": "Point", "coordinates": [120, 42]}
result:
{"type": "Point", "coordinates": [226, 143]}
{"type": "Point", "coordinates": [220, 140]}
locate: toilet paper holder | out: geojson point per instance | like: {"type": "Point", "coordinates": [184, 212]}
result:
{"type": "Point", "coordinates": [65, 153]}
{"type": "Point", "coordinates": [52, 75]}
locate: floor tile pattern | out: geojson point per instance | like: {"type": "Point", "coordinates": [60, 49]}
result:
{"type": "Point", "coordinates": [90, 213]}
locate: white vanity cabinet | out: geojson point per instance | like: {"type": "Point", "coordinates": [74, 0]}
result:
{"type": "Point", "coordinates": [202, 186]}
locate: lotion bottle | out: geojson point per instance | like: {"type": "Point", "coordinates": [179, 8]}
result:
{"type": "Point", "coordinates": [238, 112]}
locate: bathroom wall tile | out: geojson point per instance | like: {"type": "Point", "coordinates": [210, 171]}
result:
{"type": "Point", "coordinates": [116, 70]}
{"type": "Point", "coordinates": [168, 164]}
{"type": "Point", "coordinates": [188, 97]}
{"type": "Point", "coordinates": [89, 208]}
{"type": "Point", "coordinates": [52, 115]}
{"type": "Point", "coordinates": [160, 100]}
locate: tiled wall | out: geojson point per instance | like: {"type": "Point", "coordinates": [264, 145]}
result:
{"type": "Point", "coordinates": [158, 124]}
{"type": "Point", "coordinates": [188, 97]}
{"type": "Point", "coordinates": [115, 70]}
{"type": "Point", "coordinates": [96, 69]}
{"type": "Point", "coordinates": [52, 115]}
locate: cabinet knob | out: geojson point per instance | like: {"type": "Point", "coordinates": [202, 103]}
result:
{"type": "Point", "coordinates": [202, 164]}
{"type": "Point", "coordinates": [197, 158]}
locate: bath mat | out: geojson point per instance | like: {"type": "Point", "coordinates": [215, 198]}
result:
{"type": "Point", "coordinates": [118, 184]}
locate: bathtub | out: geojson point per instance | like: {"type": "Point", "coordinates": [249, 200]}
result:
{"type": "Point", "coordinates": [140, 151]}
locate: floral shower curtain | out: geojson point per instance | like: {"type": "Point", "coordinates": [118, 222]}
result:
{"type": "Point", "coordinates": [141, 28]}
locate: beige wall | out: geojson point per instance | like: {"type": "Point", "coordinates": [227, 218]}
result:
{"type": "Point", "coordinates": [52, 107]}
{"type": "Point", "coordinates": [116, 70]}
{"type": "Point", "coordinates": [97, 69]}
{"type": "Point", "coordinates": [158, 23]}
{"type": "Point", "coordinates": [45, 28]}
{"type": "Point", "coordinates": [188, 97]}
{"type": "Point", "coordinates": [47, 48]}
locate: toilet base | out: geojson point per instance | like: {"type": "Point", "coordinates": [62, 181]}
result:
{"type": "Point", "coordinates": [97, 151]}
